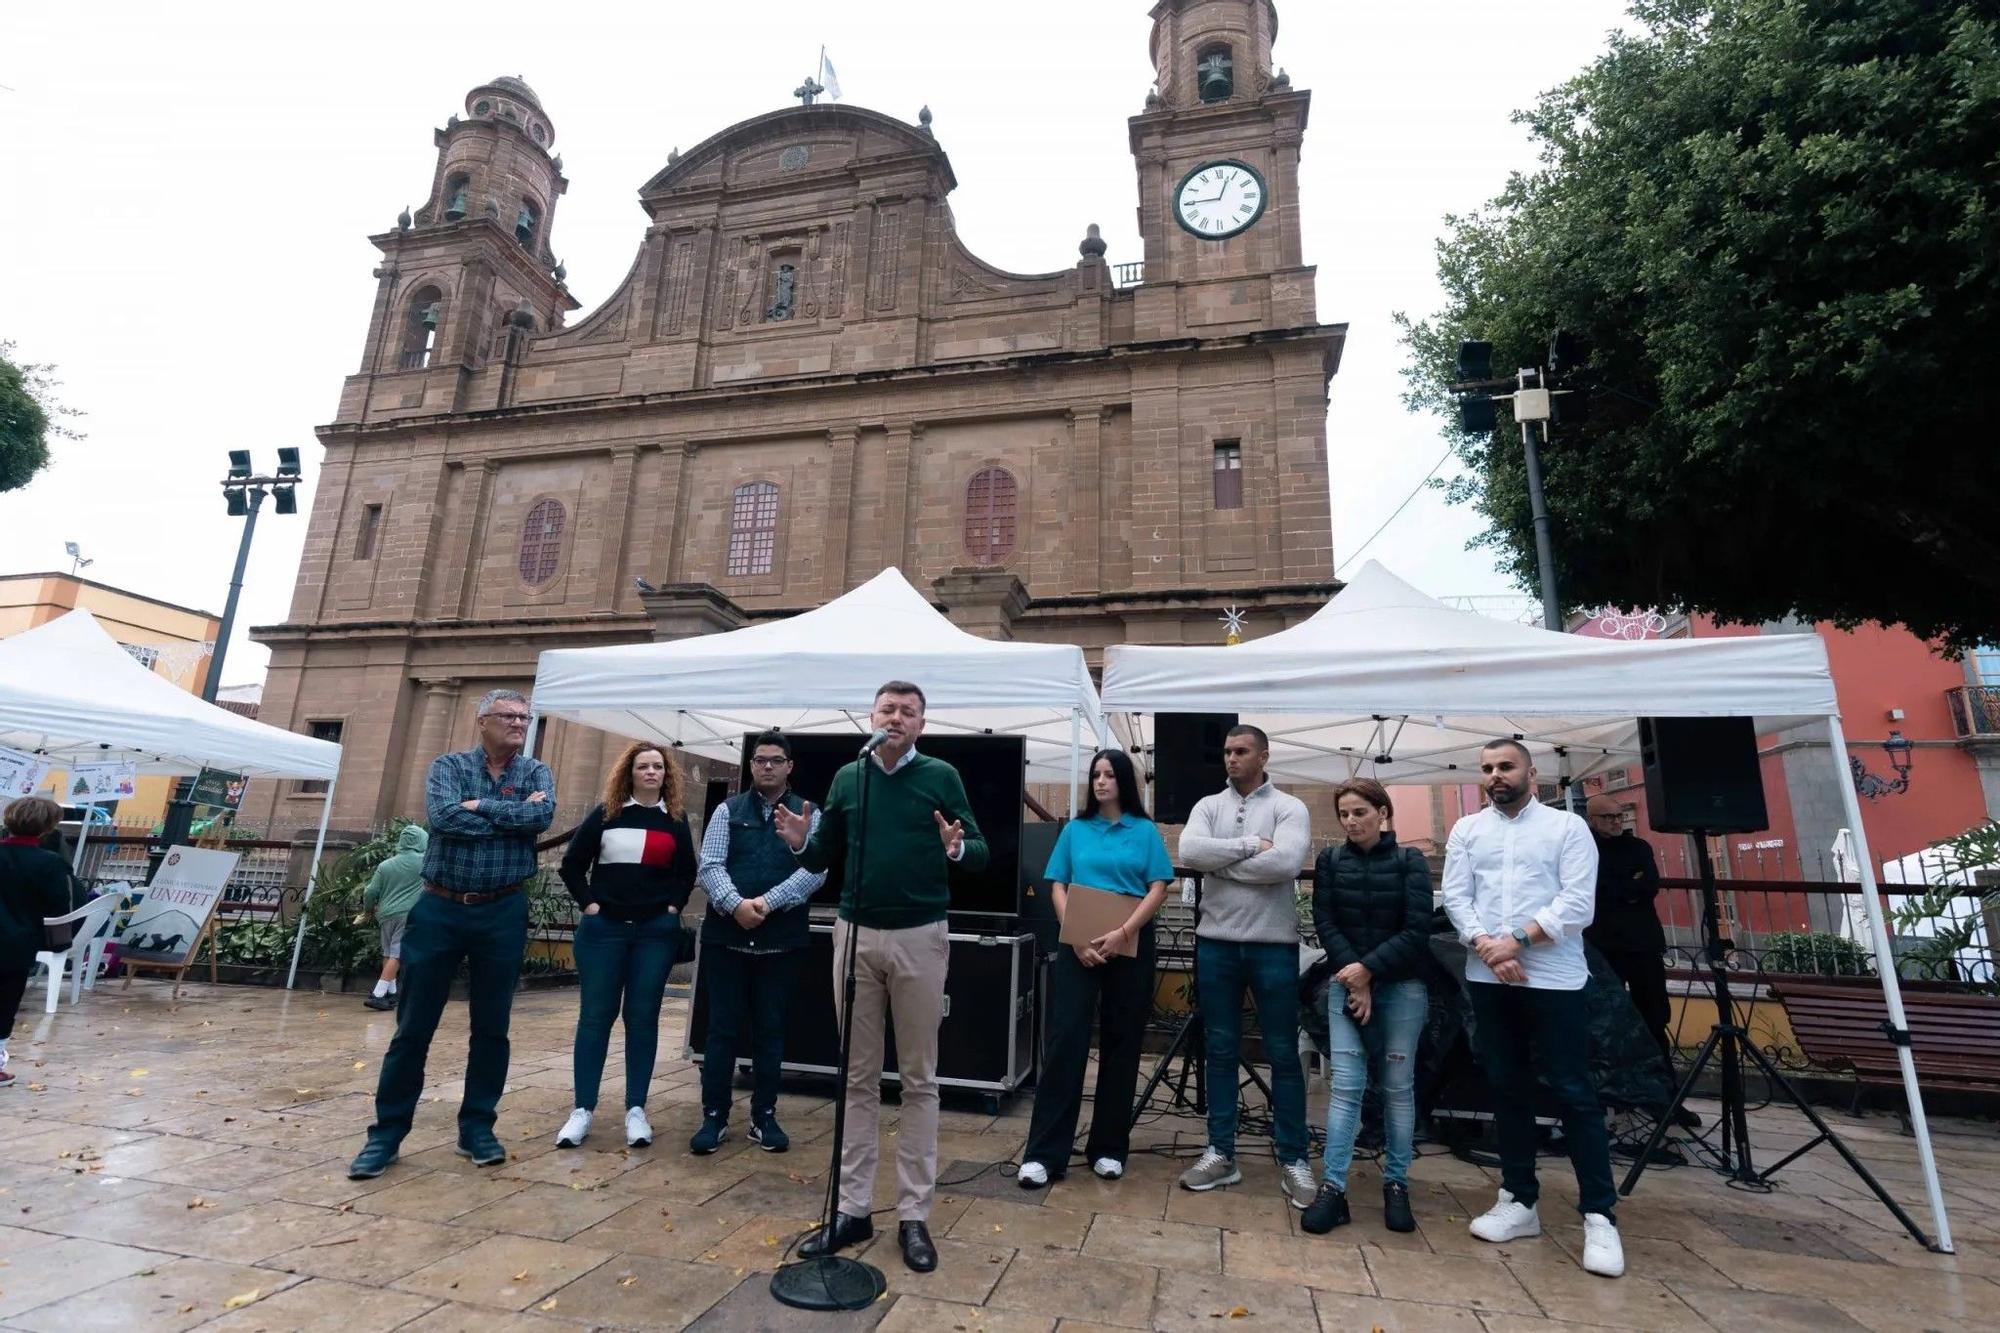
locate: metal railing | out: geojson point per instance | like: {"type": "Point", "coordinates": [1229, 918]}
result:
{"type": "Point", "coordinates": [1975, 711]}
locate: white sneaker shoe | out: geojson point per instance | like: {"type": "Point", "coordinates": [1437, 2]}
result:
{"type": "Point", "coordinates": [638, 1129]}
{"type": "Point", "coordinates": [1032, 1175]}
{"type": "Point", "coordinates": [1603, 1252]}
{"type": "Point", "coordinates": [574, 1129]}
{"type": "Point", "coordinates": [1299, 1184]}
{"type": "Point", "coordinates": [1108, 1168]}
{"type": "Point", "coordinates": [1507, 1220]}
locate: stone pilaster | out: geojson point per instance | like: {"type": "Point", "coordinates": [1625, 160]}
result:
{"type": "Point", "coordinates": [985, 602]}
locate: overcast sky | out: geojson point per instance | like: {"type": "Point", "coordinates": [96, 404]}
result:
{"type": "Point", "coordinates": [190, 188]}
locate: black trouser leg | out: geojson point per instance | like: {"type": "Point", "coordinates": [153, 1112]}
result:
{"type": "Point", "coordinates": [13, 985]}
{"type": "Point", "coordinates": [1074, 991]}
{"type": "Point", "coordinates": [1644, 972]}
{"type": "Point", "coordinates": [1500, 1038]}
{"type": "Point", "coordinates": [1126, 1006]}
{"type": "Point", "coordinates": [726, 978]}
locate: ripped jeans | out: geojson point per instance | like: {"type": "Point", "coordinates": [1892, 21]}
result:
{"type": "Point", "coordinates": [1387, 1044]}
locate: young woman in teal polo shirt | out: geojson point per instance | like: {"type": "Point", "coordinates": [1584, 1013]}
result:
{"type": "Point", "coordinates": [1114, 846]}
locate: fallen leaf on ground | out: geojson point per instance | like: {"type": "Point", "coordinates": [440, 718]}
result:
{"type": "Point", "coordinates": [241, 1299]}
{"type": "Point", "coordinates": [548, 1304]}
{"type": "Point", "coordinates": [187, 1309]}
{"type": "Point", "coordinates": [198, 1202]}
{"type": "Point", "coordinates": [1239, 1312]}
{"type": "Point", "coordinates": [627, 1280]}
{"type": "Point", "coordinates": [770, 1240]}
{"type": "Point", "coordinates": [360, 1064]}
{"type": "Point", "coordinates": [139, 1073]}
{"type": "Point", "coordinates": [521, 1276]}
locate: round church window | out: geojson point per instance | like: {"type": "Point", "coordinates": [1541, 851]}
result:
{"type": "Point", "coordinates": [481, 108]}
{"type": "Point", "coordinates": [794, 157]}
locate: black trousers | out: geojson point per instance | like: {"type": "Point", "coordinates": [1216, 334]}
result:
{"type": "Point", "coordinates": [13, 985]}
{"type": "Point", "coordinates": [1121, 991]}
{"type": "Point", "coordinates": [1644, 972]}
{"type": "Point", "coordinates": [745, 991]}
{"type": "Point", "coordinates": [1519, 1033]}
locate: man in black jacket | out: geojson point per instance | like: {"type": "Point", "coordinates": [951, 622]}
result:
{"type": "Point", "coordinates": [1627, 928]}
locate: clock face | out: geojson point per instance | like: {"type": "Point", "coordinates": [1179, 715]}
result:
{"type": "Point", "coordinates": [1219, 199]}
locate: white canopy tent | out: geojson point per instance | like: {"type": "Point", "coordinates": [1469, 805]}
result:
{"type": "Point", "coordinates": [818, 671]}
{"type": "Point", "coordinates": [70, 693]}
{"type": "Point", "coordinates": [1386, 682]}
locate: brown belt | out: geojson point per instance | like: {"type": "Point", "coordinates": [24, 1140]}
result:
{"type": "Point", "coordinates": [471, 899]}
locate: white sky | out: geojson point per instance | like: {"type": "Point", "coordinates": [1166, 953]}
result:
{"type": "Point", "coordinates": [188, 189]}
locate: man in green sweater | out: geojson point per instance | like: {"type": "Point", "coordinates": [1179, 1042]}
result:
{"type": "Point", "coordinates": [918, 820]}
{"type": "Point", "coordinates": [393, 890]}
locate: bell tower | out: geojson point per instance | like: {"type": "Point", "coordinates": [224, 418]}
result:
{"type": "Point", "coordinates": [1217, 153]}
{"type": "Point", "coordinates": [471, 272]}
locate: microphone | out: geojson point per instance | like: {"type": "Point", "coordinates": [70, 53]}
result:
{"type": "Point", "coordinates": [875, 742]}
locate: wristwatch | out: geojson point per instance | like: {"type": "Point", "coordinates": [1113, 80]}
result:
{"type": "Point", "coordinates": [1521, 938]}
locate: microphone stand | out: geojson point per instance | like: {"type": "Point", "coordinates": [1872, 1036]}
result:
{"type": "Point", "coordinates": [835, 1281]}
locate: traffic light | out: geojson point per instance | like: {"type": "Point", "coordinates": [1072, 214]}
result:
{"type": "Point", "coordinates": [1477, 413]}
{"type": "Point", "coordinates": [1475, 361]}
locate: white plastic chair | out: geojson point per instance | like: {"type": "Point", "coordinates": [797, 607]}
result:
{"type": "Point", "coordinates": [86, 948]}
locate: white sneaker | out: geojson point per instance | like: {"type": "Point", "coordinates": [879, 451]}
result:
{"type": "Point", "coordinates": [638, 1129]}
{"type": "Point", "coordinates": [1108, 1168]}
{"type": "Point", "coordinates": [574, 1129]}
{"type": "Point", "coordinates": [1299, 1184]}
{"type": "Point", "coordinates": [1032, 1175]}
{"type": "Point", "coordinates": [1603, 1252]}
{"type": "Point", "coordinates": [1507, 1220]}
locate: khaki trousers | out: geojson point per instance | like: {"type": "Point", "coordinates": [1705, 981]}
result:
{"type": "Point", "coordinates": [903, 972]}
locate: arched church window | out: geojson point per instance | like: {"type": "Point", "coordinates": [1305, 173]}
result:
{"type": "Point", "coordinates": [541, 542]}
{"type": "Point", "coordinates": [525, 223]}
{"type": "Point", "coordinates": [423, 317]}
{"type": "Point", "coordinates": [753, 528]}
{"type": "Point", "coordinates": [990, 499]}
{"type": "Point", "coordinates": [457, 197]}
{"type": "Point", "coordinates": [1214, 74]}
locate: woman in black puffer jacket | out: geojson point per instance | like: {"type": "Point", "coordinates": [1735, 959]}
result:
{"type": "Point", "coordinates": [1372, 911]}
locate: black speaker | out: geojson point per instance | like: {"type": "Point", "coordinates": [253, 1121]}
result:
{"type": "Point", "coordinates": [1702, 775]}
{"type": "Point", "coordinates": [1038, 909]}
{"type": "Point", "coordinates": [1187, 761]}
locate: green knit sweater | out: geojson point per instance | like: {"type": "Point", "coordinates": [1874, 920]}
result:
{"type": "Point", "coordinates": [905, 881]}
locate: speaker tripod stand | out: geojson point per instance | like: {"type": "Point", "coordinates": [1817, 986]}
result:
{"type": "Point", "coordinates": [1729, 1043]}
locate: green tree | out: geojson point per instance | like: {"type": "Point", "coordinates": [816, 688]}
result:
{"type": "Point", "coordinates": [1776, 225]}
{"type": "Point", "coordinates": [29, 415]}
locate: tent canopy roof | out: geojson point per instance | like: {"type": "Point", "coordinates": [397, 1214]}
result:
{"type": "Point", "coordinates": [70, 692]}
{"type": "Point", "coordinates": [1386, 682]}
{"type": "Point", "coordinates": [818, 671]}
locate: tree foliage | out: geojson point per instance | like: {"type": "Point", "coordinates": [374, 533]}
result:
{"type": "Point", "coordinates": [29, 416]}
{"type": "Point", "coordinates": [1776, 224]}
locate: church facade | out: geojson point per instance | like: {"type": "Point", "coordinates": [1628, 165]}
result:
{"type": "Point", "coordinates": [806, 377]}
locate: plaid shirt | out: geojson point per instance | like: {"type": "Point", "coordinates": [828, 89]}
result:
{"type": "Point", "coordinates": [478, 851]}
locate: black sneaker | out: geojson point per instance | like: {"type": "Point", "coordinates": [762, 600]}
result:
{"type": "Point", "coordinates": [1396, 1213]}
{"type": "Point", "coordinates": [380, 1002]}
{"type": "Point", "coordinates": [714, 1129]}
{"type": "Point", "coordinates": [764, 1132]}
{"type": "Point", "coordinates": [1327, 1211]}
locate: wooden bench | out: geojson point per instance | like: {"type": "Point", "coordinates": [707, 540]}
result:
{"type": "Point", "coordinates": [1954, 1038]}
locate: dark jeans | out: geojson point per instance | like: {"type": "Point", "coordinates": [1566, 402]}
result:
{"type": "Point", "coordinates": [13, 985]}
{"type": "Point", "coordinates": [1644, 972]}
{"type": "Point", "coordinates": [749, 990]}
{"type": "Point", "coordinates": [621, 964]}
{"type": "Point", "coordinates": [492, 937]}
{"type": "Point", "coordinates": [1223, 970]}
{"type": "Point", "coordinates": [1519, 1032]}
{"type": "Point", "coordinates": [1119, 996]}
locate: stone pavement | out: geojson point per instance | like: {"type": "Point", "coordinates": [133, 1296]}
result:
{"type": "Point", "coordinates": [166, 1168]}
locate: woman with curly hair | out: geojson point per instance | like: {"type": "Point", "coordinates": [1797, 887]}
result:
{"type": "Point", "coordinates": [630, 866]}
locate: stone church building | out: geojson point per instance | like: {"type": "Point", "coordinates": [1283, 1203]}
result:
{"type": "Point", "coordinates": [807, 377]}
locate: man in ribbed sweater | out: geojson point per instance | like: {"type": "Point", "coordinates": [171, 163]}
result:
{"type": "Point", "coordinates": [1250, 840]}
{"type": "Point", "coordinates": [918, 820]}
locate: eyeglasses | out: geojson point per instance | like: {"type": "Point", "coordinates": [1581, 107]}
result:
{"type": "Point", "coordinates": [761, 762]}
{"type": "Point", "coordinates": [511, 719]}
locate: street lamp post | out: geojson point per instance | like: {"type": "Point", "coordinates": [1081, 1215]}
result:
{"type": "Point", "coordinates": [243, 492]}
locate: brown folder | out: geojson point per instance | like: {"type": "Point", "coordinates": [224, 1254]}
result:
{"type": "Point", "coordinates": [1090, 913]}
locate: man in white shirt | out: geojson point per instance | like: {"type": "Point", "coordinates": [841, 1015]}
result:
{"type": "Point", "coordinates": [1249, 841]}
{"type": "Point", "coordinates": [1520, 884]}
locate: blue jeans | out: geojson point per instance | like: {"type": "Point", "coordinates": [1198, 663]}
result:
{"type": "Point", "coordinates": [621, 962]}
{"type": "Point", "coordinates": [491, 938]}
{"type": "Point", "coordinates": [1520, 1032]}
{"type": "Point", "coordinates": [1387, 1045]}
{"type": "Point", "coordinates": [746, 990]}
{"type": "Point", "coordinates": [1223, 970]}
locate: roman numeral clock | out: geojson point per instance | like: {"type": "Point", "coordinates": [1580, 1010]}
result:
{"type": "Point", "coordinates": [1220, 199]}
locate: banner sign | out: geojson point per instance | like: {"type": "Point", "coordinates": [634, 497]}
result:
{"type": "Point", "coordinates": [21, 774]}
{"type": "Point", "coordinates": [165, 926]}
{"type": "Point", "coordinates": [218, 789]}
{"type": "Point", "coordinates": [90, 783]}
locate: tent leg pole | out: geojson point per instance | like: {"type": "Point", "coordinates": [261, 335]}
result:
{"type": "Point", "coordinates": [312, 877]}
{"type": "Point", "coordinates": [1075, 755]}
{"type": "Point", "coordinates": [82, 836]}
{"type": "Point", "coordinates": [1892, 990]}
{"type": "Point", "coordinates": [534, 734]}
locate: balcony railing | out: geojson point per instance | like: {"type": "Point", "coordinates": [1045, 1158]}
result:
{"type": "Point", "coordinates": [1128, 275]}
{"type": "Point", "coordinates": [1975, 711]}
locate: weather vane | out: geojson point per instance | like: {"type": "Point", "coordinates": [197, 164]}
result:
{"type": "Point", "coordinates": [1232, 616]}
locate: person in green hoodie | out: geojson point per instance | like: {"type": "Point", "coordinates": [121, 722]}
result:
{"type": "Point", "coordinates": [393, 890]}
